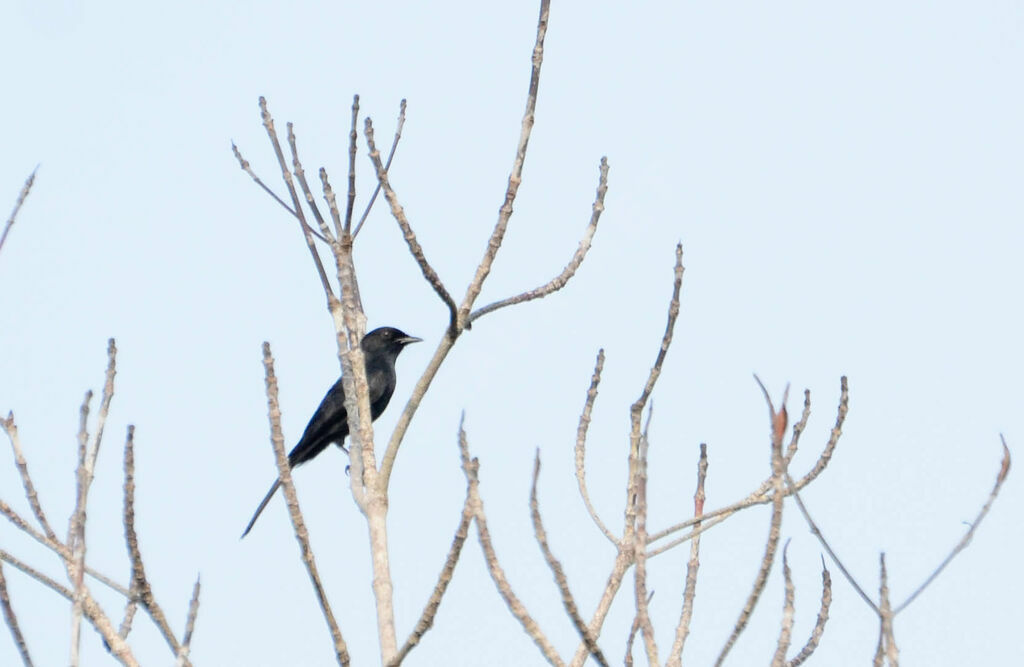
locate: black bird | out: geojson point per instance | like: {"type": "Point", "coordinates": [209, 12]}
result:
{"type": "Point", "coordinates": [330, 421]}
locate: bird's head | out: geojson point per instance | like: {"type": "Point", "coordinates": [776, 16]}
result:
{"type": "Point", "coordinates": [386, 339]}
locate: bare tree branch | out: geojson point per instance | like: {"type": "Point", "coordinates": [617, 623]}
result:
{"type": "Point", "coordinates": [581, 445]}
{"type": "Point", "coordinates": [516, 176]}
{"type": "Point", "coordinates": [778, 428]}
{"type": "Point", "coordinates": [761, 495]}
{"type": "Point", "coordinates": [300, 174]}
{"type": "Point", "coordinates": [26, 480]}
{"type": "Point", "coordinates": [244, 164]}
{"type": "Point", "coordinates": [686, 616]}
{"type": "Point", "coordinates": [17, 205]}
{"type": "Point", "coordinates": [190, 626]}
{"type": "Point", "coordinates": [1004, 470]}
{"type": "Point", "coordinates": [410, 237]}
{"type": "Point", "coordinates": [139, 580]}
{"type": "Point", "coordinates": [788, 611]}
{"type": "Point", "coordinates": [886, 638]}
{"type": "Point", "coordinates": [268, 123]}
{"type": "Point", "coordinates": [559, 281]}
{"type": "Point", "coordinates": [12, 621]}
{"type": "Point", "coordinates": [427, 617]}
{"type": "Point", "coordinates": [471, 468]}
{"type": "Point", "coordinates": [819, 625]}
{"type": "Point", "coordinates": [556, 568]}
{"type": "Point", "coordinates": [353, 137]}
{"type": "Point", "coordinates": [301, 534]}
{"type": "Point", "coordinates": [387, 166]}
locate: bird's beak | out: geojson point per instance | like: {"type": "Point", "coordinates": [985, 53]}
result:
{"type": "Point", "coordinates": [408, 340]}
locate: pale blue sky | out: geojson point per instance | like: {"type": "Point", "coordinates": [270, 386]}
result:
{"type": "Point", "coordinates": [845, 180]}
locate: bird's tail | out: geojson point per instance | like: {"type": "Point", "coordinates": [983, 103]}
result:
{"type": "Point", "coordinates": [263, 504]}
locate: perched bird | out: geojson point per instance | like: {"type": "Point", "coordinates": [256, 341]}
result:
{"type": "Point", "coordinates": [330, 421]}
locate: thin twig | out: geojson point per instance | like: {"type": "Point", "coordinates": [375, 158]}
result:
{"type": "Point", "coordinates": [632, 635]}
{"type": "Point", "coordinates": [301, 534]}
{"type": "Point", "coordinates": [689, 591]}
{"type": "Point", "coordinates": [788, 611]}
{"type": "Point", "coordinates": [471, 468]}
{"type": "Point", "coordinates": [640, 550]}
{"type": "Point", "coordinates": [559, 281]}
{"type": "Point", "coordinates": [12, 621]}
{"type": "Point", "coordinates": [410, 237]}
{"type": "Point", "coordinates": [286, 175]}
{"type": "Point", "coordinates": [556, 569]}
{"type": "Point", "coordinates": [58, 548]}
{"type": "Point", "coordinates": [430, 610]}
{"type": "Point", "coordinates": [387, 166]}
{"type": "Point", "coordinates": [581, 446]}
{"type": "Point", "coordinates": [17, 205]}
{"type": "Point", "coordinates": [353, 137]}
{"type": "Point", "coordinates": [819, 625]}
{"type": "Point", "coordinates": [244, 164]}
{"type": "Point", "coordinates": [760, 496]}
{"type": "Point", "coordinates": [139, 580]}
{"type": "Point", "coordinates": [636, 409]}
{"type": "Point", "coordinates": [1004, 470]}
{"type": "Point", "coordinates": [26, 480]}
{"type": "Point", "coordinates": [886, 636]}
{"type": "Point", "coordinates": [190, 625]}
{"type": "Point", "coordinates": [516, 176]}
{"type": "Point", "coordinates": [300, 174]}
{"type": "Point", "coordinates": [37, 575]}
{"type": "Point", "coordinates": [778, 428]}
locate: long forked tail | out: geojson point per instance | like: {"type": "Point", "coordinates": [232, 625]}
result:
{"type": "Point", "coordinates": [263, 504]}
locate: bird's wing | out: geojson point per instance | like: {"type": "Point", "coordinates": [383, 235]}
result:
{"type": "Point", "coordinates": [328, 424]}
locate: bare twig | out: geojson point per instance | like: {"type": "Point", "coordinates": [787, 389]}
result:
{"type": "Point", "coordinates": [816, 531]}
{"type": "Point", "coordinates": [26, 480]}
{"type": "Point", "coordinates": [1004, 470]}
{"type": "Point", "coordinates": [632, 634]}
{"type": "Point", "coordinates": [516, 176]}
{"type": "Point", "coordinates": [559, 281]}
{"type": "Point", "coordinates": [640, 551]}
{"type": "Point", "coordinates": [760, 496]}
{"type": "Point", "coordinates": [268, 123]}
{"type": "Point", "coordinates": [683, 628]}
{"type": "Point", "coordinates": [244, 164]}
{"type": "Point", "coordinates": [471, 468]}
{"type": "Point", "coordinates": [301, 534]}
{"type": "Point", "coordinates": [778, 428]}
{"type": "Point", "coordinates": [17, 205]}
{"type": "Point", "coordinates": [190, 625]}
{"type": "Point", "coordinates": [37, 575]}
{"type": "Point", "coordinates": [581, 445]}
{"type": "Point", "coordinates": [12, 621]}
{"type": "Point", "coordinates": [556, 568]}
{"type": "Point", "coordinates": [427, 617]}
{"type": "Point", "coordinates": [819, 625]}
{"type": "Point", "coordinates": [886, 638]}
{"type": "Point", "coordinates": [788, 611]}
{"type": "Point", "coordinates": [353, 136]}
{"type": "Point", "coordinates": [387, 166]}
{"type": "Point", "coordinates": [300, 174]}
{"type": "Point", "coordinates": [410, 237]}
{"type": "Point", "coordinates": [139, 580]}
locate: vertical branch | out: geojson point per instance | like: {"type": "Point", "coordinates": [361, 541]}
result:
{"type": "Point", "coordinates": [556, 568]}
{"type": "Point", "coordinates": [12, 621]}
{"type": "Point", "coordinates": [640, 552]}
{"type": "Point", "coordinates": [690, 590]}
{"type": "Point", "coordinates": [353, 136]}
{"type": "Point", "coordinates": [301, 534]}
{"type": "Point", "coordinates": [581, 447]}
{"type": "Point", "coordinates": [886, 638]}
{"type": "Point", "coordinates": [788, 611]}
{"type": "Point", "coordinates": [779, 421]}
